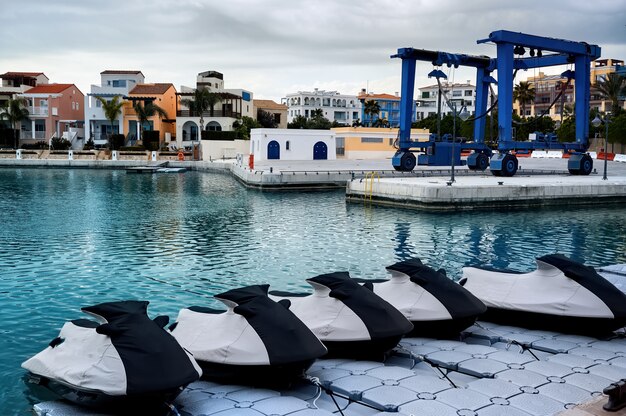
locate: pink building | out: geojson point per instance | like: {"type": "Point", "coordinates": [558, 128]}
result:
{"type": "Point", "coordinates": [55, 111]}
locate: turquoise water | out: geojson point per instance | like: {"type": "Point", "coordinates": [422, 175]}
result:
{"type": "Point", "coordinates": [71, 238]}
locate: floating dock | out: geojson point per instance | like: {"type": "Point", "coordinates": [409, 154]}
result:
{"type": "Point", "coordinates": [491, 370]}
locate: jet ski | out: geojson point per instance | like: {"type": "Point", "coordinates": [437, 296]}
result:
{"type": "Point", "coordinates": [255, 341]}
{"type": "Point", "coordinates": [350, 319]}
{"type": "Point", "coordinates": [561, 295]}
{"type": "Point", "coordinates": [436, 306]}
{"type": "Point", "coordinates": [125, 361]}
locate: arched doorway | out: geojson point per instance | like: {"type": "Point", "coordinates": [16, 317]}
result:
{"type": "Point", "coordinates": [320, 151]}
{"type": "Point", "coordinates": [213, 126]}
{"type": "Point", "coordinates": [273, 150]}
{"type": "Point", "coordinates": [190, 131]}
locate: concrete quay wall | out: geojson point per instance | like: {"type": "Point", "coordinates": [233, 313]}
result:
{"type": "Point", "coordinates": [468, 193]}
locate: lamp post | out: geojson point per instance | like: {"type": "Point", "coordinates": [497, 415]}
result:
{"type": "Point", "coordinates": [464, 115]}
{"type": "Point", "coordinates": [596, 123]}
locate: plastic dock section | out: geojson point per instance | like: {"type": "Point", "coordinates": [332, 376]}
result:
{"type": "Point", "coordinates": [491, 370]}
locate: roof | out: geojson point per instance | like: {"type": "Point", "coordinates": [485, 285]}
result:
{"type": "Point", "coordinates": [49, 89]}
{"type": "Point", "coordinates": [269, 104]}
{"type": "Point", "coordinates": [120, 71]}
{"type": "Point", "coordinates": [151, 88]}
{"type": "Point", "coordinates": [378, 97]}
{"type": "Point", "coordinates": [10, 75]}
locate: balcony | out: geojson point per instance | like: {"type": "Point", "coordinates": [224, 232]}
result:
{"type": "Point", "coordinates": [207, 114]}
{"type": "Point", "coordinates": [38, 111]}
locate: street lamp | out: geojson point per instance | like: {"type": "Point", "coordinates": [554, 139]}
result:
{"type": "Point", "coordinates": [596, 123]}
{"type": "Point", "coordinates": [464, 115]}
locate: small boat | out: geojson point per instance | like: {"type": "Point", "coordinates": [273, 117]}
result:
{"type": "Point", "coordinates": [436, 306]}
{"type": "Point", "coordinates": [255, 341]}
{"type": "Point", "coordinates": [561, 295]}
{"type": "Point", "coordinates": [350, 319]}
{"type": "Point", "coordinates": [125, 361]}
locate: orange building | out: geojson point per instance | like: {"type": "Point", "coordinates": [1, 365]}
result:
{"type": "Point", "coordinates": [53, 109]}
{"type": "Point", "coordinates": [161, 94]}
{"type": "Point", "coordinates": [370, 142]}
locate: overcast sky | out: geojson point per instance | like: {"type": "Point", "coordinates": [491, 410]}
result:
{"type": "Point", "coordinates": [276, 47]}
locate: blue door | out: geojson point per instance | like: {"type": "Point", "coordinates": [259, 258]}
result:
{"type": "Point", "coordinates": [273, 150]}
{"type": "Point", "coordinates": [320, 151]}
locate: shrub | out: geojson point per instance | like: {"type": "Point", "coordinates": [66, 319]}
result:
{"type": "Point", "coordinates": [39, 145]}
{"type": "Point", "coordinates": [220, 135]}
{"type": "Point", "coordinates": [138, 148]}
{"type": "Point", "coordinates": [151, 139]}
{"type": "Point", "coordinates": [117, 141]}
{"type": "Point", "coordinates": [59, 143]}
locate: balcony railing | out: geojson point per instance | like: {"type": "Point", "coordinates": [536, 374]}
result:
{"type": "Point", "coordinates": [38, 111]}
{"type": "Point", "coordinates": [216, 113]}
{"type": "Point", "coordinates": [28, 135]}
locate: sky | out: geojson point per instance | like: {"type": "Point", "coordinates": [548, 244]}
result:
{"type": "Point", "coordinates": [277, 47]}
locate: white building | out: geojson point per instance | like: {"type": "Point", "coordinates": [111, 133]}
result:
{"type": "Point", "coordinates": [18, 82]}
{"type": "Point", "coordinates": [234, 104]}
{"type": "Point", "coordinates": [463, 95]}
{"type": "Point", "coordinates": [344, 109]}
{"type": "Point", "coordinates": [292, 144]}
{"type": "Point", "coordinates": [112, 83]}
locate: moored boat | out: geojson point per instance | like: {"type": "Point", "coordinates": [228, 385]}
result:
{"type": "Point", "coordinates": [255, 341]}
{"type": "Point", "coordinates": [351, 320]}
{"type": "Point", "coordinates": [124, 361]}
{"type": "Point", "coordinates": [561, 295]}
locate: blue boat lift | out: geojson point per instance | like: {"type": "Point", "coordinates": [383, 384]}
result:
{"type": "Point", "coordinates": [543, 52]}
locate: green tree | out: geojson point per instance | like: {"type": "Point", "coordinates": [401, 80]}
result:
{"type": "Point", "coordinates": [244, 125]}
{"type": "Point", "coordinates": [202, 101]}
{"type": "Point", "coordinates": [145, 112]}
{"type": "Point", "coordinates": [266, 119]}
{"type": "Point", "coordinates": [612, 86]}
{"type": "Point", "coordinates": [567, 130]}
{"type": "Point", "coordinates": [299, 122]}
{"type": "Point", "coordinates": [317, 113]}
{"type": "Point", "coordinates": [381, 122]}
{"type": "Point", "coordinates": [112, 109]}
{"type": "Point", "coordinates": [524, 93]}
{"type": "Point", "coordinates": [14, 111]}
{"type": "Point", "coordinates": [371, 108]}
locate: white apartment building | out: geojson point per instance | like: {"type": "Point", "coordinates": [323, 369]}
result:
{"type": "Point", "coordinates": [463, 95]}
{"type": "Point", "coordinates": [112, 83]}
{"type": "Point", "coordinates": [344, 109]}
{"type": "Point", "coordinates": [234, 104]}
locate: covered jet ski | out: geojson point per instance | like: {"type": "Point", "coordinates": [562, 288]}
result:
{"type": "Point", "coordinates": [350, 319]}
{"type": "Point", "coordinates": [561, 295]}
{"type": "Point", "coordinates": [436, 306]}
{"type": "Point", "coordinates": [125, 361]}
{"type": "Point", "coordinates": [256, 341]}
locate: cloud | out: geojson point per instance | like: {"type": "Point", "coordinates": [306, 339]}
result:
{"type": "Point", "coordinates": [273, 46]}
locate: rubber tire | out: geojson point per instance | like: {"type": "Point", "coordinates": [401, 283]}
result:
{"type": "Point", "coordinates": [586, 166]}
{"type": "Point", "coordinates": [509, 165]}
{"type": "Point", "coordinates": [407, 162]}
{"type": "Point", "coordinates": [482, 162]}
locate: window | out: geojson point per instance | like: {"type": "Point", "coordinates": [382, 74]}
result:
{"type": "Point", "coordinates": [468, 93]}
{"type": "Point", "coordinates": [77, 105]}
{"type": "Point", "coordinates": [277, 118]}
{"type": "Point", "coordinates": [456, 93]}
{"type": "Point", "coordinates": [371, 139]}
{"type": "Point", "coordinates": [287, 145]}
{"type": "Point", "coordinates": [341, 146]}
{"type": "Point", "coordinates": [426, 94]}
{"type": "Point", "coordinates": [119, 83]}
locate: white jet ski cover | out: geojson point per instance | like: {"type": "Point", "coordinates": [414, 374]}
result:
{"type": "Point", "coordinates": [128, 354]}
{"type": "Point", "coordinates": [255, 330]}
{"type": "Point", "coordinates": [424, 294]}
{"type": "Point", "coordinates": [559, 286]}
{"type": "Point", "coordinates": [342, 309]}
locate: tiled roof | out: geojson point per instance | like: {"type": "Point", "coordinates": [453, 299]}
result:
{"type": "Point", "coordinates": [151, 88]}
{"type": "Point", "coordinates": [120, 71]}
{"type": "Point", "coordinates": [9, 75]}
{"type": "Point", "coordinates": [378, 96]}
{"type": "Point", "coordinates": [269, 104]}
{"type": "Point", "coordinates": [49, 89]}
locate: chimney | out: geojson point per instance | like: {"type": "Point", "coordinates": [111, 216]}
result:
{"type": "Point", "coordinates": [397, 94]}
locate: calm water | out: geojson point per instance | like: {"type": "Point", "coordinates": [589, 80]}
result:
{"type": "Point", "coordinates": [71, 238]}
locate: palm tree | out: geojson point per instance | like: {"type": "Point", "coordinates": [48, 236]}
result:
{"type": "Point", "coordinates": [203, 100]}
{"type": "Point", "coordinates": [317, 114]}
{"type": "Point", "coordinates": [112, 109]}
{"type": "Point", "coordinates": [14, 111]}
{"type": "Point", "coordinates": [146, 111]}
{"type": "Point", "coordinates": [371, 109]}
{"type": "Point", "coordinates": [612, 86]}
{"type": "Point", "coordinates": [524, 93]}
